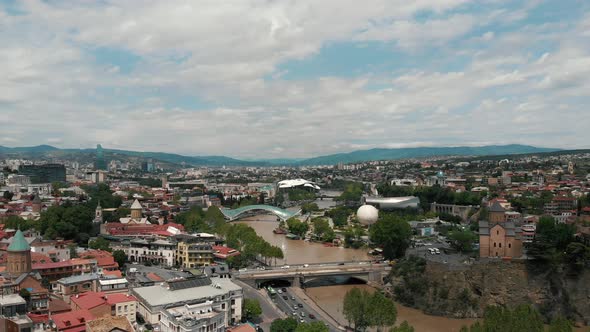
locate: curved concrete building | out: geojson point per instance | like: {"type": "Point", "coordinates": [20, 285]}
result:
{"type": "Point", "coordinates": [391, 203]}
{"type": "Point", "coordinates": [297, 183]}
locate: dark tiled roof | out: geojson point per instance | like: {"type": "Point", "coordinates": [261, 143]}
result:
{"type": "Point", "coordinates": [496, 207]}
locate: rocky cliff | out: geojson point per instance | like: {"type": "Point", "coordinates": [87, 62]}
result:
{"type": "Point", "coordinates": [466, 291]}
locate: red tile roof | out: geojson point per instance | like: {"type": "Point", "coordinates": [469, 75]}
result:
{"type": "Point", "coordinates": [154, 277]}
{"type": "Point", "coordinates": [224, 252]}
{"type": "Point", "coordinates": [73, 320]}
{"type": "Point", "coordinates": [91, 300]}
{"type": "Point", "coordinates": [103, 258]}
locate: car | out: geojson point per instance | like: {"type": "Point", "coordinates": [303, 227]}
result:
{"type": "Point", "coordinates": [305, 265]}
{"type": "Point", "coordinates": [312, 316]}
{"type": "Point", "coordinates": [280, 291]}
{"type": "Point", "coordinates": [301, 321]}
{"type": "Point", "coordinates": [293, 298]}
{"type": "Point", "coordinates": [436, 251]}
{"type": "Point", "coordinates": [295, 307]}
{"type": "Point", "coordinates": [284, 289]}
{"type": "Point", "coordinates": [285, 297]}
{"type": "Point", "coordinates": [340, 263]}
{"type": "Point", "coordinates": [285, 267]}
{"type": "Point", "coordinates": [294, 313]}
{"type": "Point", "coordinates": [300, 305]}
{"type": "Point", "coordinates": [243, 270]}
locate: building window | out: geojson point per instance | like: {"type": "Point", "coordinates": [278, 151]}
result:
{"type": "Point", "coordinates": [223, 306]}
{"type": "Point", "coordinates": [494, 244]}
{"type": "Point", "coordinates": [497, 232]}
{"type": "Point", "coordinates": [500, 244]}
{"type": "Point", "coordinates": [509, 245]}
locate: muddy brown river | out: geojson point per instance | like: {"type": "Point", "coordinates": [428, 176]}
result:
{"type": "Point", "coordinates": [330, 297]}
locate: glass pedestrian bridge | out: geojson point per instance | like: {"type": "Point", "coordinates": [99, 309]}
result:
{"type": "Point", "coordinates": [233, 214]}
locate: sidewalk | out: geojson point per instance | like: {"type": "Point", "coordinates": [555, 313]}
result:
{"type": "Point", "coordinates": [325, 316]}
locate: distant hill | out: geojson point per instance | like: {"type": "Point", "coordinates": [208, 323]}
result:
{"type": "Point", "coordinates": [355, 156]}
{"type": "Point", "coordinates": [406, 153]}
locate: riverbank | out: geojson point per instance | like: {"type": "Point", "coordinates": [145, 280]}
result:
{"type": "Point", "coordinates": [330, 298]}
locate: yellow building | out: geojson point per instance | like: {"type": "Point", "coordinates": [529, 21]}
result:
{"type": "Point", "coordinates": [499, 237]}
{"type": "Point", "coordinates": [191, 255]}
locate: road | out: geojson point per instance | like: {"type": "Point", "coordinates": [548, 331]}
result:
{"type": "Point", "coordinates": [278, 307]}
{"type": "Point", "coordinates": [270, 311]}
{"type": "Point", "coordinates": [291, 305]}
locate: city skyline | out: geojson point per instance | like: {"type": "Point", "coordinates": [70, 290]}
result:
{"type": "Point", "coordinates": [264, 79]}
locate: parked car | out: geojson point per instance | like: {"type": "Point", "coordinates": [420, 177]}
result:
{"type": "Point", "coordinates": [300, 305]}
{"type": "Point", "coordinates": [285, 267]}
{"type": "Point", "coordinates": [294, 313]}
{"type": "Point", "coordinates": [302, 314]}
{"type": "Point", "coordinates": [284, 289]}
{"type": "Point", "coordinates": [285, 297]}
{"type": "Point", "coordinates": [293, 298]}
{"type": "Point", "coordinates": [312, 316]}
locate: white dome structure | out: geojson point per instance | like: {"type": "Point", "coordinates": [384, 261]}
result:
{"type": "Point", "coordinates": [367, 214]}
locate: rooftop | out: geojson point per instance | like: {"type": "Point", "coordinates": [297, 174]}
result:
{"type": "Point", "coordinates": [19, 243]}
{"type": "Point", "coordinates": [160, 295]}
{"type": "Point", "coordinates": [78, 279]}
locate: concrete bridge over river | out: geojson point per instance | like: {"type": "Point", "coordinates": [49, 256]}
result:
{"type": "Point", "coordinates": [299, 275]}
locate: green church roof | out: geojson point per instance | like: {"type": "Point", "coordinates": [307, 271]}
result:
{"type": "Point", "coordinates": [19, 243]}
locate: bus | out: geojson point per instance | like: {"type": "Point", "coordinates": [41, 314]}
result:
{"type": "Point", "coordinates": [271, 292]}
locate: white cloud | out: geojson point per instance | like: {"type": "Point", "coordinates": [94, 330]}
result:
{"type": "Point", "coordinates": [499, 89]}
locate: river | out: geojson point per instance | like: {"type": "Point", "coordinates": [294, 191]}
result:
{"type": "Point", "coordinates": [299, 251]}
{"type": "Point", "coordinates": [330, 298]}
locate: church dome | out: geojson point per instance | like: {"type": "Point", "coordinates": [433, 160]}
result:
{"type": "Point", "coordinates": [19, 243]}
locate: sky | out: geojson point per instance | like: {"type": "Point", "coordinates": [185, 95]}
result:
{"type": "Point", "coordinates": [294, 78]}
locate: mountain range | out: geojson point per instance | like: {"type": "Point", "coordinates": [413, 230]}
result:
{"type": "Point", "coordinates": [47, 151]}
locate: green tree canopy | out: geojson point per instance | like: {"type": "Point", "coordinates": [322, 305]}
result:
{"type": "Point", "coordinates": [100, 244]}
{"type": "Point", "coordinates": [283, 325]}
{"type": "Point", "coordinates": [120, 258]}
{"type": "Point", "coordinates": [322, 229]}
{"type": "Point", "coordinates": [393, 234]}
{"type": "Point", "coordinates": [309, 207]}
{"type": "Point", "coordinates": [312, 327]}
{"type": "Point", "coordinates": [297, 227]}
{"type": "Point", "coordinates": [462, 240]}
{"type": "Point", "coordinates": [403, 327]}
{"type": "Point", "coordinates": [251, 309]}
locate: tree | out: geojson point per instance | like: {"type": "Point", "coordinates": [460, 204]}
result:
{"type": "Point", "coordinates": [462, 240]}
{"type": "Point", "coordinates": [25, 294]}
{"type": "Point", "coordinates": [120, 257]}
{"type": "Point", "coordinates": [352, 193]}
{"type": "Point", "coordinates": [393, 234]}
{"type": "Point", "coordinates": [356, 308]}
{"type": "Point", "coordinates": [312, 327]}
{"type": "Point", "coordinates": [309, 207]}
{"type": "Point", "coordinates": [339, 215]}
{"type": "Point", "coordinates": [297, 227]}
{"type": "Point", "coordinates": [404, 327]}
{"type": "Point", "coordinates": [382, 311]}
{"type": "Point", "coordinates": [251, 309]}
{"type": "Point", "coordinates": [577, 255]}
{"type": "Point", "coordinates": [215, 219]}
{"type": "Point", "coordinates": [7, 195]}
{"type": "Point", "coordinates": [100, 244]}
{"type": "Point", "coordinates": [322, 229]}
{"type": "Point", "coordinates": [283, 325]}
{"type": "Point", "coordinates": [523, 318]}
{"type": "Point", "coordinates": [560, 324]}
